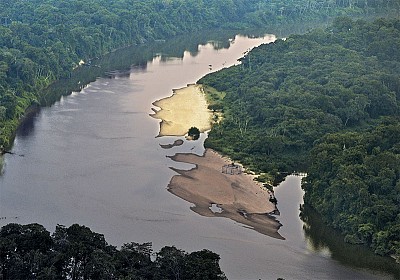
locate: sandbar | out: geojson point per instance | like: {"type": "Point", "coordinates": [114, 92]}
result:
{"type": "Point", "coordinates": [187, 107]}
{"type": "Point", "coordinates": [213, 193]}
{"type": "Point", "coordinates": [239, 197]}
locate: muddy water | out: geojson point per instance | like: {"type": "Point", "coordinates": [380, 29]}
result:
{"type": "Point", "coordinates": [92, 158]}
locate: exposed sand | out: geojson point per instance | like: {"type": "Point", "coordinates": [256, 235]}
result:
{"type": "Point", "coordinates": [214, 194]}
{"type": "Point", "coordinates": [239, 196]}
{"type": "Point", "coordinates": [187, 107]}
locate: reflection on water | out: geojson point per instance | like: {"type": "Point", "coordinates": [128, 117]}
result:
{"type": "Point", "coordinates": [27, 125]}
{"type": "Point", "coordinates": [215, 208]}
{"type": "Point", "coordinates": [92, 158]}
{"type": "Point", "coordinates": [329, 243]}
{"type": "Point", "coordinates": [121, 63]}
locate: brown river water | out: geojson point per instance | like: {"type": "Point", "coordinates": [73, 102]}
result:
{"type": "Point", "coordinates": [93, 158]}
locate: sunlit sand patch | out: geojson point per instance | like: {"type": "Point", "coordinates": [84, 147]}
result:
{"type": "Point", "coordinates": [213, 190]}
{"type": "Point", "coordinates": [187, 107]}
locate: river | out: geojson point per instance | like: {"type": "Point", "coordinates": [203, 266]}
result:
{"type": "Point", "coordinates": [93, 158]}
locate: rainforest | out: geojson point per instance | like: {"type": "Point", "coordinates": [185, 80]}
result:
{"type": "Point", "coordinates": [325, 103]}
{"type": "Point", "coordinates": [42, 41]}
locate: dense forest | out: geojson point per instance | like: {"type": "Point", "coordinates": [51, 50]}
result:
{"type": "Point", "coordinates": [44, 40]}
{"type": "Point", "coordinates": [76, 252]}
{"type": "Point", "coordinates": [354, 183]}
{"type": "Point", "coordinates": [325, 103]}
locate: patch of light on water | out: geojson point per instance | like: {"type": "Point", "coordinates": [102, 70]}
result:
{"type": "Point", "coordinates": [215, 208]}
{"type": "Point", "coordinates": [322, 251]}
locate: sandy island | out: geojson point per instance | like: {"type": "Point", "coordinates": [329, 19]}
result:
{"type": "Point", "coordinates": [214, 193]}
{"type": "Point", "coordinates": [217, 194]}
{"type": "Point", "coordinates": [187, 107]}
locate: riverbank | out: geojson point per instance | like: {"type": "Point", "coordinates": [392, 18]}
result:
{"type": "Point", "coordinates": [187, 107]}
{"type": "Point", "coordinates": [215, 186]}
{"type": "Point", "coordinates": [219, 194]}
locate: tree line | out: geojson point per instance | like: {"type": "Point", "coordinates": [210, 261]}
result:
{"type": "Point", "coordinates": [44, 40]}
{"type": "Point", "coordinates": [325, 103]}
{"type": "Point", "coordinates": [76, 252]}
{"type": "Point", "coordinates": [278, 102]}
{"type": "Point", "coordinates": [354, 183]}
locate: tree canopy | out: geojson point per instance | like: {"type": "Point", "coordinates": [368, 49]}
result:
{"type": "Point", "coordinates": [194, 133]}
{"type": "Point", "coordinates": [325, 103]}
{"type": "Point", "coordinates": [282, 105]}
{"type": "Point", "coordinates": [44, 40]}
{"type": "Point", "coordinates": [31, 252]}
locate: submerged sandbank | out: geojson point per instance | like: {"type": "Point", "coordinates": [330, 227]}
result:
{"type": "Point", "coordinates": [187, 107]}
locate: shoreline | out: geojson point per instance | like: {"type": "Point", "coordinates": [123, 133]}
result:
{"type": "Point", "coordinates": [185, 108]}
{"type": "Point", "coordinates": [213, 190]}
{"type": "Point", "coordinates": [237, 197]}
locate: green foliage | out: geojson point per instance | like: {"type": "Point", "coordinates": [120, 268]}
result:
{"type": "Point", "coordinates": [44, 40]}
{"type": "Point", "coordinates": [287, 94]}
{"type": "Point", "coordinates": [322, 237]}
{"type": "Point", "coordinates": [326, 103]}
{"type": "Point", "coordinates": [76, 252]}
{"type": "Point", "coordinates": [278, 102]}
{"type": "Point", "coordinates": [357, 187]}
{"type": "Point", "coordinates": [194, 133]}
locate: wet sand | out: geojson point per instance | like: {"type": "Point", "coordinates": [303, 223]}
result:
{"type": "Point", "coordinates": [187, 107]}
{"type": "Point", "coordinates": [213, 193]}
{"type": "Point", "coordinates": [237, 197]}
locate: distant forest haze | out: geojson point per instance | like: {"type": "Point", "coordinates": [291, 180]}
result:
{"type": "Point", "coordinates": [325, 103]}
{"type": "Point", "coordinates": [44, 40]}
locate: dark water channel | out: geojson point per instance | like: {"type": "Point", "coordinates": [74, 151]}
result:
{"type": "Point", "coordinates": [92, 158]}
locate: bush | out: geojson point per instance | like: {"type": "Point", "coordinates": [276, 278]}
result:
{"type": "Point", "coordinates": [194, 133]}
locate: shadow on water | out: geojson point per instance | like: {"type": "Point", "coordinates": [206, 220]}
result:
{"type": "Point", "coordinates": [119, 63]}
{"type": "Point", "coordinates": [27, 124]}
{"type": "Point", "coordinates": [321, 237]}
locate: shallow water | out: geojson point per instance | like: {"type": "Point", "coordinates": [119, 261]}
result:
{"type": "Point", "coordinates": [93, 158]}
